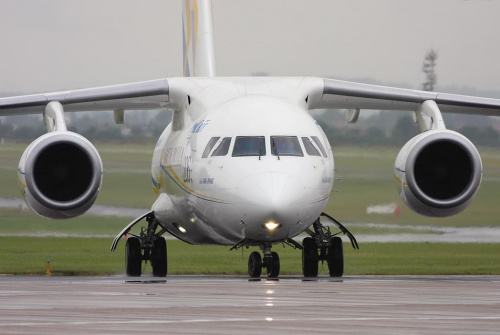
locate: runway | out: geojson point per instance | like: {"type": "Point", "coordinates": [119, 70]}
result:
{"type": "Point", "coordinates": [235, 305]}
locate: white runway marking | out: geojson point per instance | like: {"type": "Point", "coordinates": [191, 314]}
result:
{"type": "Point", "coordinates": [215, 320]}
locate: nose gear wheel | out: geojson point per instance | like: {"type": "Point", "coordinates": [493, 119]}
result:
{"type": "Point", "coordinates": [271, 262]}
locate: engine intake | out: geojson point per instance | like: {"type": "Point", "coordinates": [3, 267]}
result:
{"type": "Point", "coordinates": [60, 174]}
{"type": "Point", "coordinates": [438, 173]}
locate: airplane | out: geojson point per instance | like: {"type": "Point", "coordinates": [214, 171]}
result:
{"type": "Point", "coordinates": [243, 163]}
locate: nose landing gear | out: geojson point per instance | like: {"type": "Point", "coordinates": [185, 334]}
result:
{"type": "Point", "coordinates": [322, 245]}
{"type": "Point", "coordinates": [271, 262]}
{"type": "Point", "coordinates": [254, 264]}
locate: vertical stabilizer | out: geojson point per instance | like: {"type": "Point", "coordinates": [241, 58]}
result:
{"type": "Point", "coordinates": [198, 38]}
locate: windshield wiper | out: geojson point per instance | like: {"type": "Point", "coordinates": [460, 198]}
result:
{"type": "Point", "coordinates": [260, 147]}
{"type": "Point", "coordinates": [275, 149]}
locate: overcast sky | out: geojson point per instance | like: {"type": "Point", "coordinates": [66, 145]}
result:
{"type": "Point", "coordinates": [62, 44]}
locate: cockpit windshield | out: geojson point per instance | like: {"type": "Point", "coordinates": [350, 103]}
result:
{"type": "Point", "coordinates": [245, 146]}
{"type": "Point", "coordinates": [249, 146]}
{"type": "Point", "coordinates": [223, 148]}
{"type": "Point", "coordinates": [319, 144]}
{"type": "Point", "coordinates": [209, 146]}
{"type": "Point", "coordinates": [310, 148]}
{"type": "Point", "coordinates": [285, 146]}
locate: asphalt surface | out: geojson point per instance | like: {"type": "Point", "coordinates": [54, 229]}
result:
{"type": "Point", "coordinates": [237, 305]}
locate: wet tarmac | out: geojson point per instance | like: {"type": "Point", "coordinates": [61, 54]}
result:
{"type": "Point", "coordinates": [237, 305]}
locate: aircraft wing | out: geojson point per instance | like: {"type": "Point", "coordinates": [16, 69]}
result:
{"type": "Point", "coordinates": [152, 94]}
{"type": "Point", "coordinates": [339, 94]}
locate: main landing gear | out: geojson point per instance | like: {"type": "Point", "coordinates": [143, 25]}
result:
{"type": "Point", "coordinates": [322, 245]}
{"type": "Point", "coordinates": [148, 246]}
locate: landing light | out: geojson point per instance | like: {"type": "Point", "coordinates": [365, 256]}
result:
{"type": "Point", "coordinates": [179, 228]}
{"type": "Point", "coordinates": [272, 225]}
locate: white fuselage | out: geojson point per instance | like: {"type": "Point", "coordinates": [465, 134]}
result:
{"type": "Point", "coordinates": [269, 161]}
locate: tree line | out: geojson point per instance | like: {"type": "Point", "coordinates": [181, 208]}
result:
{"type": "Point", "coordinates": [140, 126]}
{"type": "Point", "coordinates": [384, 128]}
{"type": "Point", "coordinates": [389, 128]}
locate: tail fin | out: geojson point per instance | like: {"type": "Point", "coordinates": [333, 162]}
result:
{"type": "Point", "coordinates": [198, 38]}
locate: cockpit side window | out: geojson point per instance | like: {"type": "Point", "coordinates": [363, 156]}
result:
{"type": "Point", "coordinates": [223, 147]}
{"type": "Point", "coordinates": [285, 146]}
{"type": "Point", "coordinates": [249, 146]}
{"type": "Point", "coordinates": [310, 148]}
{"type": "Point", "coordinates": [319, 144]}
{"type": "Point", "coordinates": [209, 146]}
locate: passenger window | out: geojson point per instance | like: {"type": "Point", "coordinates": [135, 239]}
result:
{"type": "Point", "coordinates": [209, 146]}
{"type": "Point", "coordinates": [319, 144]}
{"type": "Point", "coordinates": [249, 146]}
{"type": "Point", "coordinates": [310, 148]}
{"type": "Point", "coordinates": [223, 148]}
{"type": "Point", "coordinates": [285, 146]}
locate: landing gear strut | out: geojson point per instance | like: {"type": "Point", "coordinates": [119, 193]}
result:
{"type": "Point", "coordinates": [148, 246]}
{"type": "Point", "coordinates": [324, 246]}
{"type": "Point", "coordinates": [271, 262]}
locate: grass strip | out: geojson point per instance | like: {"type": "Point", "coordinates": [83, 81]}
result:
{"type": "Point", "coordinates": [85, 256]}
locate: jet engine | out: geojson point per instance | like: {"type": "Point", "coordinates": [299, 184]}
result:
{"type": "Point", "coordinates": [438, 173]}
{"type": "Point", "coordinates": [60, 175]}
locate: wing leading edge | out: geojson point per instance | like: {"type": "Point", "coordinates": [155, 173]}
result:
{"type": "Point", "coordinates": [152, 94]}
{"type": "Point", "coordinates": [322, 93]}
{"type": "Point", "coordinates": [349, 95]}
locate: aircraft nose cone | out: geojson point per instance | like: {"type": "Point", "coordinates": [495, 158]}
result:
{"type": "Point", "coordinates": [271, 197]}
{"type": "Point", "coordinates": [272, 190]}
{"type": "Point", "coordinates": [270, 187]}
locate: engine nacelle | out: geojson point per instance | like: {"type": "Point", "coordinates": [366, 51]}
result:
{"type": "Point", "coordinates": [438, 173]}
{"type": "Point", "coordinates": [60, 175]}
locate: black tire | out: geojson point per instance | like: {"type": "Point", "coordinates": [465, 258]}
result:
{"type": "Point", "coordinates": [133, 257]}
{"type": "Point", "coordinates": [309, 257]}
{"type": "Point", "coordinates": [159, 257]}
{"type": "Point", "coordinates": [336, 257]}
{"type": "Point", "coordinates": [273, 270]}
{"type": "Point", "coordinates": [254, 264]}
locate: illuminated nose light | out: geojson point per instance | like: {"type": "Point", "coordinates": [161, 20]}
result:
{"type": "Point", "coordinates": [272, 225]}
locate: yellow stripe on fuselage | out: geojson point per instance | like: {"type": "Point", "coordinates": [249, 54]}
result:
{"type": "Point", "coordinates": [171, 173]}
